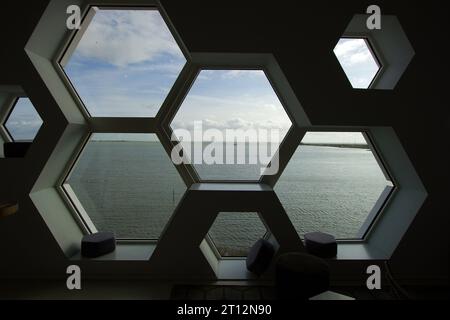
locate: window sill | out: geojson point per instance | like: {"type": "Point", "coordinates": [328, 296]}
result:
{"type": "Point", "coordinates": [235, 269]}
{"type": "Point", "coordinates": [123, 252]}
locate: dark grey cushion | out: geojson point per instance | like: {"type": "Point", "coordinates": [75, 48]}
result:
{"type": "Point", "coordinates": [301, 276]}
{"type": "Point", "coordinates": [260, 256]}
{"type": "Point", "coordinates": [15, 149]}
{"type": "Point", "coordinates": [321, 244]}
{"type": "Point", "coordinates": [98, 244]}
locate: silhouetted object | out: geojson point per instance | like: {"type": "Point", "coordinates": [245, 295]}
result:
{"type": "Point", "coordinates": [98, 244]}
{"type": "Point", "coordinates": [321, 244]}
{"type": "Point", "coordinates": [301, 276]}
{"type": "Point", "coordinates": [260, 256]}
{"type": "Point", "coordinates": [16, 149]}
{"type": "Point", "coordinates": [8, 208]}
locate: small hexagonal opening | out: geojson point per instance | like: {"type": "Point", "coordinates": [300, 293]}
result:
{"type": "Point", "coordinates": [123, 62]}
{"type": "Point", "coordinates": [334, 183]}
{"type": "Point", "coordinates": [231, 124]}
{"type": "Point", "coordinates": [360, 50]}
{"type": "Point", "coordinates": [234, 233]}
{"type": "Point", "coordinates": [124, 183]}
{"type": "Point", "coordinates": [358, 61]}
{"type": "Point", "coordinates": [23, 121]}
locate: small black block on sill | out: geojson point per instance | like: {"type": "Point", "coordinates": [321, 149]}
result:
{"type": "Point", "coordinates": [98, 244]}
{"type": "Point", "coordinates": [260, 256]}
{"type": "Point", "coordinates": [321, 244]}
{"type": "Point", "coordinates": [16, 149]}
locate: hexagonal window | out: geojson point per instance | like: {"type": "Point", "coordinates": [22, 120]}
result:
{"type": "Point", "coordinates": [358, 61]}
{"type": "Point", "coordinates": [123, 62]}
{"type": "Point", "coordinates": [23, 121]}
{"type": "Point", "coordinates": [230, 124]}
{"type": "Point", "coordinates": [377, 58]}
{"type": "Point", "coordinates": [334, 183]}
{"type": "Point", "coordinates": [126, 184]}
{"type": "Point", "coordinates": [234, 233]}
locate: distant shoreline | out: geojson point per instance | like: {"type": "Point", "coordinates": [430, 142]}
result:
{"type": "Point", "coordinates": [330, 145]}
{"type": "Point", "coordinates": [337, 145]}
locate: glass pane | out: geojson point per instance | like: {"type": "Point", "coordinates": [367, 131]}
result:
{"type": "Point", "coordinates": [234, 233]}
{"type": "Point", "coordinates": [24, 122]}
{"type": "Point", "coordinates": [331, 184]}
{"type": "Point", "coordinates": [234, 115]}
{"type": "Point", "coordinates": [357, 60]}
{"type": "Point", "coordinates": [127, 184]}
{"type": "Point", "coordinates": [125, 63]}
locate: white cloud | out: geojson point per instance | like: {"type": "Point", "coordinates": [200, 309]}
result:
{"type": "Point", "coordinates": [170, 68]}
{"type": "Point", "coordinates": [357, 61]}
{"type": "Point", "coordinates": [232, 74]}
{"type": "Point", "coordinates": [334, 137]}
{"type": "Point", "coordinates": [353, 51]}
{"type": "Point", "coordinates": [360, 57]}
{"type": "Point", "coordinates": [123, 37]}
{"type": "Point", "coordinates": [24, 123]}
{"type": "Point", "coordinates": [232, 124]}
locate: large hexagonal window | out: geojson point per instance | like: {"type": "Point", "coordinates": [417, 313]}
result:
{"type": "Point", "coordinates": [234, 233]}
{"type": "Point", "coordinates": [334, 183]}
{"type": "Point", "coordinates": [124, 183]}
{"type": "Point", "coordinates": [23, 121]}
{"type": "Point", "coordinates": [230, 124]}
{"type": "Point", "coordinates": [358, 60]}
{"type": "Point", "coordinates": [123, 62]}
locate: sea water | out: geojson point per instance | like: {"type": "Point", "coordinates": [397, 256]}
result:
{"type": "Point", "coordinates": [132, 188]}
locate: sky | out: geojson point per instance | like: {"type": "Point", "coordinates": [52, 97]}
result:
{"type": "Point", "coordinates": [127, 61]}
{"type": "Point", "coordinates": [334, 137]}
{"type": "Point", "coordinates": [357, 61]}
{"type": "Point", "coordinates": [24, 122]}
{"type": "Point", "coordinates": [232, 99]}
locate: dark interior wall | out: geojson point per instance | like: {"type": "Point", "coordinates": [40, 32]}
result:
{"type": "Point", "coordinates": [302, 36]}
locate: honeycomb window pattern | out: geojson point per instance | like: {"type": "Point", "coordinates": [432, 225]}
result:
{"type": "Point", "coordinates": [110, 96]}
